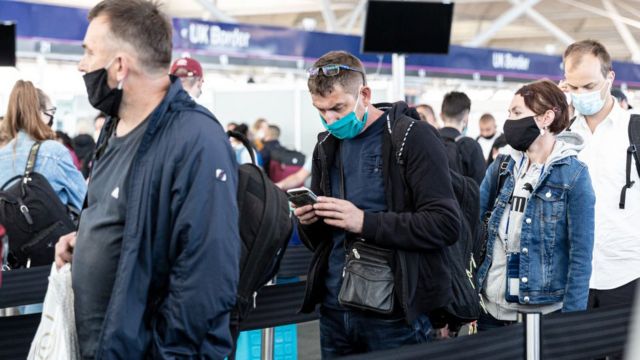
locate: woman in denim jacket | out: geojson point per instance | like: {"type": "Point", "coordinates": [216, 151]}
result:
{"type": "Point", "coordinates": [540, 232]}
{"type": "Point", "coordinates": [28, 119]}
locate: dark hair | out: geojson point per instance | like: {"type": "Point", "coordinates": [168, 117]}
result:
{"type": "Point", "coordinates": [542, 96]}
{"type": "Point", "coordinates": [576, 50]}
{"type": "Point", "coordinates": [274, 131]}
{"type": "Point", "coordinates": [141, 24]}
{"type": "Point", "coordinates": [66, 140]}
{"type": "Point", "coordinates": [487, 118]}
{"type": "Point", "coordinates": [426, 107]}
{"type": "Point", "coordinates": [242, 129]}
{"type": "Point", "coordinates": [349, 80]}
{"type": "Point", "coordinates": [456, 105]}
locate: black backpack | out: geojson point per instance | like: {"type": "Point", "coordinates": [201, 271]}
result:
{"type": "Point", "coordinates": [266, 225]}
{"type": "Point", "coordinates": [465, 306]}
{"type": "Point", "coordinates": [34, 217]}
{"type": "Point", "coordinates": [453, 153]}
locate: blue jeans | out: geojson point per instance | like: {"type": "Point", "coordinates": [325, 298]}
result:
{"type": "Point", "coordinates": [346, 332]}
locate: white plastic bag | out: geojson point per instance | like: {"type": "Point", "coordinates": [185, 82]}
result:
{"type": "Point", "coordinates": [56, 337]}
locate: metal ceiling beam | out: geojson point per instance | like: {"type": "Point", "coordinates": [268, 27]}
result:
{"type": "Point", "coordinates": [505, 19]}
{"type": "Point", "coordinates": [329, 16]}
{"type": "Point", "coordinates": [209, 6]}
{"type": "Point", "coordinates": [357, 12]}
{"type": "Point", "coordinates": [624, 32]}
{"type": "Point", "coordinates": [601, 12]}
{"type": "Point", "coordinates": [534, 15]}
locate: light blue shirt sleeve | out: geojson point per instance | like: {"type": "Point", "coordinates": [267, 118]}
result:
{"type": "Point", "coordinates": [55, 163]}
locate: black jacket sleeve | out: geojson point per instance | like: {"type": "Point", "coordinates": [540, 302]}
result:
{"type": "Point", "coordinates": [436, 221]}
{"type": "Point", "coordinates": [312, 235]}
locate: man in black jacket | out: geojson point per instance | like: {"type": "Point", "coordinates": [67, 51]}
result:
{"type": "Point", "coordinates": [464, 153]}
{"type": "Point", "coordinates": [365, 194]}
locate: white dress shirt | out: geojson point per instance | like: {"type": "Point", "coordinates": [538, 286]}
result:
{"type": "Point", "coordinates": [616, 252]}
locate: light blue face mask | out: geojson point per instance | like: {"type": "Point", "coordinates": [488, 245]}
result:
{"type": "Point", "coordinates": [588, 103]}
{"type": "Point", "coordinates": [348, 126]}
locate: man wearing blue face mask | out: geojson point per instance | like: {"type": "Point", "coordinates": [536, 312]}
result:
{"type": "Point", "coordinates": [369, 219]}
{"type": "Point", "coordinates": [607, 130]}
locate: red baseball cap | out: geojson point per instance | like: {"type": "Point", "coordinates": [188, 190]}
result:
{"type": "Point", "coordinates": [186, 67]}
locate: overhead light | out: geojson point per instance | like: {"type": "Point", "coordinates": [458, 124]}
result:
{"type": "Point", "coordinates": [309, 24]}
{"type": "Point", "coordinates": [550, 49]}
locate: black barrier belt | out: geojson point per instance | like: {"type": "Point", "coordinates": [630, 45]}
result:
{"type": "Point", "coordinates": [28, 286]}
{"type": "Point", "coordinates": [276, 305]}
{"type": "Point", "coordinates": [24, 286]}
{"type": "Point", "coordinates": [16, 333]}
{"type": "Point", "coordinates": [500, 344]}
{"type": "Point", "coordinates": [585, 335]}
{"type": "Point", "coordinates": [295, 262]}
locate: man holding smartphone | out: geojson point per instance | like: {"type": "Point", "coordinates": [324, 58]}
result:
{"type": "Point", "coordinates": [363, 199]}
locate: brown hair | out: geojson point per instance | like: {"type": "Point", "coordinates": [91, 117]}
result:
{"type": "Point", "coordinates": [141, 24]}
{"type": "Point", "coordinates": [576, 50]}
{"type": "Point", "coordinates": [349, 80]}
{"type": "Point", "coordinates": [542, 96]}
{"type": "Point", "coordinates": [23, 113]}
{"type": "Point", "coordinates": [485, 118]}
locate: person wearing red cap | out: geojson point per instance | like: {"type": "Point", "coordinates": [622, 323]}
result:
{"type": "Point", "coordinates": [190, 73]}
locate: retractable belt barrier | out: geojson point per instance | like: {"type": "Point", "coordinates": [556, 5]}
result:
{"type": "Point", "coordinates": [563, 336]}
{"type": "Point", "coordinates": [275, 305]}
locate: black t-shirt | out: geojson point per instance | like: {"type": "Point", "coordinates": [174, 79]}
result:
{"type": "Point", "coordinates": [99, 240]}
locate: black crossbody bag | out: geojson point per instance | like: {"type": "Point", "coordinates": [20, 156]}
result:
{"type": "Point", "coordinates": [368, 276]}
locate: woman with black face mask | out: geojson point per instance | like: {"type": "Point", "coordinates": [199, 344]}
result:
{"type": "Point", "coordinates": [28, 120]}
{"type": "Point", "coordinates": [540, 225]}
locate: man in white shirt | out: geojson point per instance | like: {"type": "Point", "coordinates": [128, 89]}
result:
{"type": "Point", "coordinates": [604, 126]}
{"type": "Point", "coordinates": [488, 134]}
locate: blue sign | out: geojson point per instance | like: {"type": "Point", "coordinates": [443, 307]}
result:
{"type": "Point", "coordinates": [64, 24]}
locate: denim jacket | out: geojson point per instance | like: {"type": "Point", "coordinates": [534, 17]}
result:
{"type": "Point", "coordinates": [53, 162]}
{"type": "Point", "coordinates": [556, 242]}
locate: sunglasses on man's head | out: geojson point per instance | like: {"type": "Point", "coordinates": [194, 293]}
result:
{"type": "Point", "coordinates": [333, 70]}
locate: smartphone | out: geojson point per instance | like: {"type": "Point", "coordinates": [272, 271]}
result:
{"type": "Point", "coordinates": [301, 196]}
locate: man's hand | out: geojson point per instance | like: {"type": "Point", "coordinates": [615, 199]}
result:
{"type": "Point", "coordinates": [340, 213]}
{"type": "Point", "coordinates": [64, 249]}
{"type": "Point", "coordinates": [306, 215]}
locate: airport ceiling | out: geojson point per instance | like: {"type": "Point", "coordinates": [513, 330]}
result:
{"type": "Point", "coordinates": [542, 26]}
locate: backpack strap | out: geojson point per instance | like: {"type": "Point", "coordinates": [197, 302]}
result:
{"type": "Point", "coordinates": [632, 154]}
{"type": "Point", "coordinates": [243, 139]}
{"type": "Point", "coordinates": [31, 160]}
{"type": "Point", "coordinates": [500, 176]}
{"type": "Point", "coordinates": [401, 129]}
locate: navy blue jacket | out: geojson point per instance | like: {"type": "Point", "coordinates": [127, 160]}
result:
{"type": "Point", "coordinates": [178, 269]}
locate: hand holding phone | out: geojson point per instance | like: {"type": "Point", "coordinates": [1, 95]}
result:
{"type": "Point", "coordinates": [301, 197]}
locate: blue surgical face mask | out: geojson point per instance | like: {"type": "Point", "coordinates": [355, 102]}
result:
{"type": "Point", "coordinates": [348, 126]}
{"type": "Point", "coordinates": [588, 103]}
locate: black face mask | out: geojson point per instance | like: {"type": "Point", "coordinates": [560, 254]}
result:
{"type": "Point", "coordinates": [101, 96]}
{"type": "Point", "coordinates": [521, 133]}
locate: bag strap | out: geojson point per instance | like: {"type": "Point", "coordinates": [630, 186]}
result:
{"type": "Point", "coordinates": [31, 160]}
{"type": "Point", "coordinates": [500, 176]}
{"type": "Point", "coordinates": [243, 139]}
{"type": "Point", "coordinates": [632, 154]}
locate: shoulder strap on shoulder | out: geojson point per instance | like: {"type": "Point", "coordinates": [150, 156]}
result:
{"type": "Point", "coordinates": [634, 138]}
{"type": "Point", "coordinates": [31, 160]}
{"type": "Point", "coordinates": [632, 154]}
{"type": "Point", "coordinates": [401, 129]}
